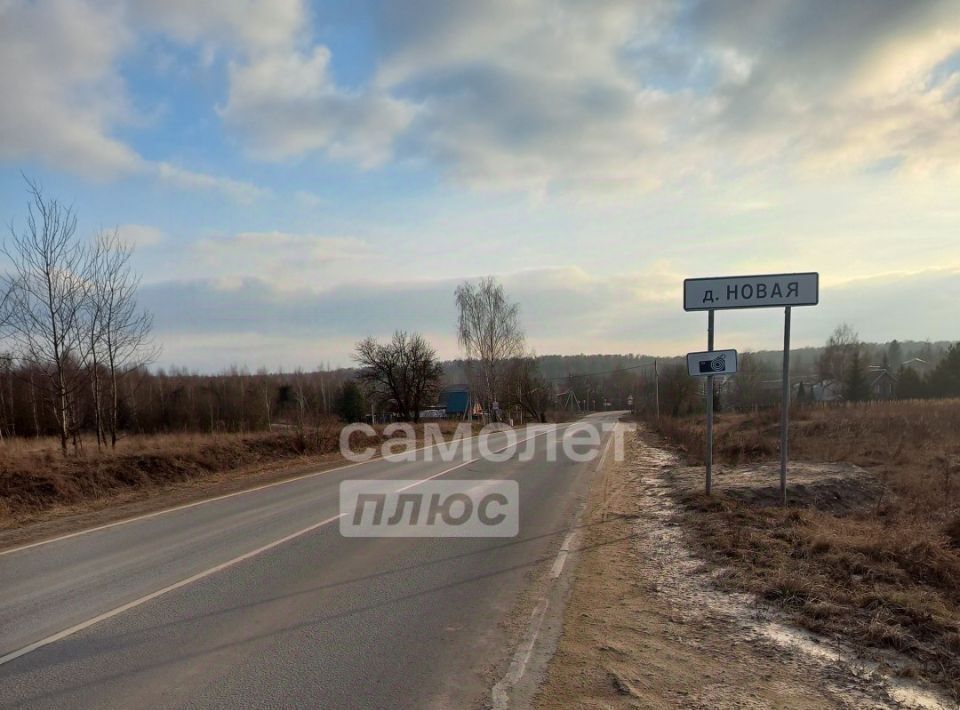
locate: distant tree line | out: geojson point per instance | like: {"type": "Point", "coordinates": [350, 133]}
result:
{"type": "Point", "coordinates": [176, 400]}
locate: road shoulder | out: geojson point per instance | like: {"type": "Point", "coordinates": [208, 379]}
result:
{"type": "Point", "coordinates": [646, 627]}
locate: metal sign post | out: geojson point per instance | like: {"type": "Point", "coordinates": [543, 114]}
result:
{"type": "Point", "coordinates": [785, 406]}
{"type": "Point", "coordinates": [709, 453]}
{"type": "Point", "coordinates": [762, 291]}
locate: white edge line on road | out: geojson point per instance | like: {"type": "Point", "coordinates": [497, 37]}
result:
{"type": "Point", "coordinates": [245, 491]}
{"type": "Point", "coordinates": [606, 449]}
{"type": "Point", "coordinates": [211, 571]}
{"type": "Point", "coordinates": [500, 694]}
{"type": "Point", "coordinates": [518, 664]}
{"type": "Point", "coordinates": [562, 555]}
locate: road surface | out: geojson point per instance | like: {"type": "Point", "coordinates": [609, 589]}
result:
{"type": "Point", "coordinates": [257, 600]}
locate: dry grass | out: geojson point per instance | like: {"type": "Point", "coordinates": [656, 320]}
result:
{"type": "Point", "coordinates": [886, 575]}
{"type": "Point", "coordinates": [34, 476]}
{"type": "Point", "coordinates": [913, 447]}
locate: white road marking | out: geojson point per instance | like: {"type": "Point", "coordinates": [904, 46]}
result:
{"type": "Point", "coordinates": [518, 664]}
{"type": "Point", "coordinates": [610, 439]}
{"type": "Point", "coordinates": [521, 657]}
{"type": "Point", "coordinates": [208, 572]}
{"type": "Point", "coordinates": [562, 555]}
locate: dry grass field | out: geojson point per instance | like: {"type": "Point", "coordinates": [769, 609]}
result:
{"type": "Point", "coordinates": [35, 478]}
{"type": "Point", "coordinates": [882, 572]}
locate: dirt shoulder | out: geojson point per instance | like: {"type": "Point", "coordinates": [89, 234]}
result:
{"type": "Point", "coordinates": [646, 624]}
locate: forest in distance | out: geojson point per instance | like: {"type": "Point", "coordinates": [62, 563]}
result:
{"type": "Point", "coordinates": [159, 400]}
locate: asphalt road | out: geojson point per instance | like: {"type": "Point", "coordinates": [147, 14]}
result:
{"type": "Point", "coordinates": [306, 618]}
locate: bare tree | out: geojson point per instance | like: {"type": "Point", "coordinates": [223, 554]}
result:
{"type": "Point", "coordinates": [121, 333]}
{"type": "Point", "coordinates": [834, 363]}
{"type": "Point", "coordinates": [6, 361]}
{"type": "Point", "coordinates": [748, 390]}
{"type": "Point", "coordinates": [47, 292]}
{"type": "Point", "coordinates": [535, 394]}
{"type": "Point", "coordinates": [93, 327]}
{"type": "Point", "coordinates": [404, 371]}
{"type": "Point", "coordinates": [488, 329]}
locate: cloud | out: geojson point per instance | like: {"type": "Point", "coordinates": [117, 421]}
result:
{"type": "Point", "coordinates": [291, 261]}
{"type": "Point", "coordinates": [563, 310]}
{"type": "Point", "coordinates": [141, 235]}
{"type": "Point", "coordinates": [601, 95]}
{"type": "Point", "coordinates": [285, 104]}
{"type": "Point", "coordinates": [611, 96]}
{"type": "Point", "coordinates": [64, 94]}
{"type": "Point", "coordinates": [190, 180]}
{"type": "Point", "coordinates": [250, 24]}
{"type": "Point", "coordinates": [61, 91]}
{"type": "Point", "coordinates": [309, 199]}
{"type": "Point", "coordinates": [838, 87]}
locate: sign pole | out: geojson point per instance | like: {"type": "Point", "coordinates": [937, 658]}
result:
{"type": "Point", "coordinates": [709, 451]}
{"type": "Point", "coordinates": [785, 407]}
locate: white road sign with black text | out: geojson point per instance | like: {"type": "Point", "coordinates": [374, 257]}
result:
{"type": "Point", "coordinates": [714, 362]}
{"type": "Point", "coordinates": [765, 291]}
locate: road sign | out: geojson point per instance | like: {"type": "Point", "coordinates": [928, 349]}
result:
{"type": "Point", "coordinates": [766, 291]}
{"type": "Point", "coordinates": [712, 362]}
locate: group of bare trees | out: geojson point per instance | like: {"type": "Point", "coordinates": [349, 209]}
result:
{"type": "Point", "coordinates": [69, 318]}
{"type": "Point", "coordinates": [404, 374]}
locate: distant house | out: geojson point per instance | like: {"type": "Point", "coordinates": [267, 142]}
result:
{"type": "Point", "coordinates": [455, 400]}
{"type": "Point", "coordinates": [917, 365]}
{"type": "Point", "coordinates": [826, 391]}
{"type": "Point", "coordinates": [883, 385]}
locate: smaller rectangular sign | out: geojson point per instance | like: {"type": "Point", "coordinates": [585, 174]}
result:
{"type": "Point", "coordinates": [764, 291]}
{"type": "Point", "coordinates": [714, 362]}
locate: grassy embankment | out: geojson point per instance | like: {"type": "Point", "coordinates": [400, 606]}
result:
{"type": "Point", "coordinates": [884, 573]}
{"type": "Point", "coordinates": [36, 481]}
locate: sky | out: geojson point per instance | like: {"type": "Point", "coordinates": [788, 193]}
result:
{"type": "Point", "coordinates": [296, 176]}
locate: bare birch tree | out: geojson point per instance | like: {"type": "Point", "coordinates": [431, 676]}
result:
{"type": "Point", "coordinates": [46, 297]}
{"type": "Point", "coordinates": [488, 329]}
{"type": "Point", "coordinates": [93, 328]}
{"type": "Point", "coordinates": [123, 329]}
